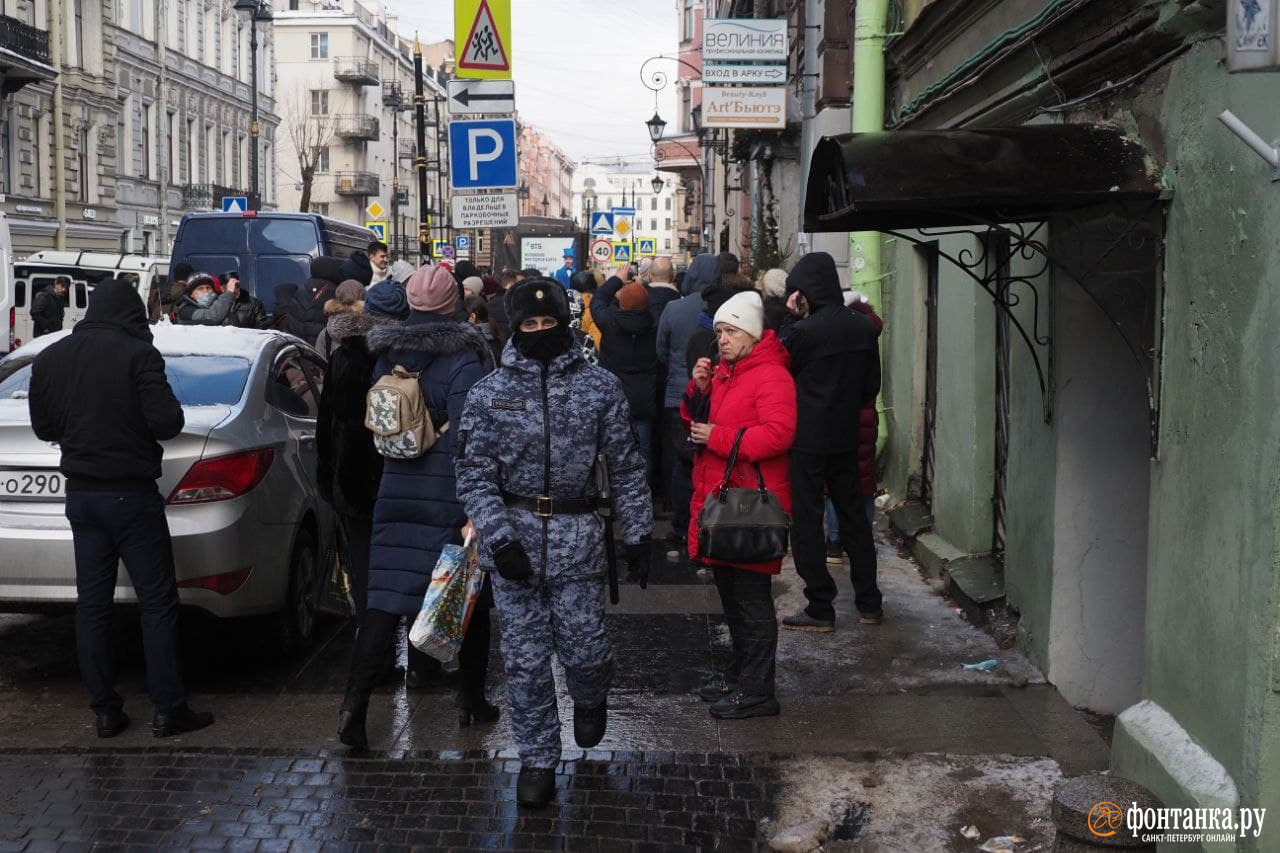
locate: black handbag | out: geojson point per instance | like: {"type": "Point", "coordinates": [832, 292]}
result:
{"type": "Point", "coordinates": [742, 525]}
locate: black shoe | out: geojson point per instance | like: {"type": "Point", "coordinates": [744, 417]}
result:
{"type": "Point", "coordinates": [589, 724]}
{"type": "Point", "coordinates": [180, 721]}
{"type": "Point", "coordinates": [678, 540]}
{"type": "Point", "coordinates": [351, 728]}
{"type": "Point", "coordinates": [535, 786]}
{"type": "Point", "coordinates": [740, 707]}
{"type": "Point", "coordinates": [802, 621]}
{"type": "Point", "coordinates": [428, 679]}
{"type": "Point", "coordinates": [112, 723]}
{"type": "Point", "coordinates": [874, 618]}
{"type": "Point", "coordinates": [835, 554]}
{"type": "Point", "coordinates": [714, 691]}
{"type": "Point", "coordinates": [475, 709]}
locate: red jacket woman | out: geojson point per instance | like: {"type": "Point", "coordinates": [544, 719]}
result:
{"type": "Point", "coordinates": [750, 390]}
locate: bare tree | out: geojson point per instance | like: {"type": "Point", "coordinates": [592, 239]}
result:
{"type": "Point", "coordinates": [311, 134]}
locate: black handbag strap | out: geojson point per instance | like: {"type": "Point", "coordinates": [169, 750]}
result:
{"type": "Point", "coordinates": [733, 460]}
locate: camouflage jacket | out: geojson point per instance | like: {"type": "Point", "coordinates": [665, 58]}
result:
{"type": "Point", "coordinates": [528, 430]}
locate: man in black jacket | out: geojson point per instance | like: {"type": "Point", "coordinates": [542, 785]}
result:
{"type": "Point", "coordinates": [49, 307]}
{"type": "Point", "coordinates": [306, 318]}
{"type": "Point", "coordinates": [837, 369]}
{"type": "Point", "coordinates": [102, 394]}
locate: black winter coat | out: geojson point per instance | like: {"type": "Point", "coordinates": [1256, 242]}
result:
{"type": "Point", "coordinates": [834, 359]}
{"type": "Point", "coordinates": [102, 394]}
{"type": "Point", "coordinates": [249, 313]}
{"type": "Point", "coordinates": [305, 317]}
{"type": "Point", "coordinates": [349, 468]}
{"type": "Point", "coordinates": [47, 312]}
{"type": "Point", "coordinates": [628, 349]}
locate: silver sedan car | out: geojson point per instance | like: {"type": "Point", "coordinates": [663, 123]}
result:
{"type": "Point", "coordinates": [249, 527]}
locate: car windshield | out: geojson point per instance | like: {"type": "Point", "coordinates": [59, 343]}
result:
{"type": "Point", "coordinates": [197, 380]}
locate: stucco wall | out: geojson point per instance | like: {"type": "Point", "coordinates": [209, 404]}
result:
{"type": "Point", "coordinates": [1211, 613]}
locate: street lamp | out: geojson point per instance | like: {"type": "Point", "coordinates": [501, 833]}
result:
{"type": "Point", "coordinates": [656, 126]}
{"type": "Point", "coordinates": [258, 10]}
{"type": "Point", "coordinates": [657, 183]}
{"type": "Point", "coordinates": [546, 203]}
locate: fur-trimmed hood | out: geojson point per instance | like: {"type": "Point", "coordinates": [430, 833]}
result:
{"type": "Point", "coordinates": [431, 334]}
{"type": "Point", "coordinates": [337, 306]}
{"type": "Point", "coordinates": [347, 325]}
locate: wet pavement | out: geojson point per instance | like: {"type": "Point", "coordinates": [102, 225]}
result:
{"type": "Point", "coordinates": [885, 741]}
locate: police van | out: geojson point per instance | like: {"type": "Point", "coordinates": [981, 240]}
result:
{"type": "Point", "coordinates": [86, 270]}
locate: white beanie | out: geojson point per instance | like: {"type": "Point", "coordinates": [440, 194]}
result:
{"type": "Point", "coordinates": [743, 311]}
{"type": "Point", "coordinates": [473, 284]}
{"type": "Point", "coordinates": [775, 283]}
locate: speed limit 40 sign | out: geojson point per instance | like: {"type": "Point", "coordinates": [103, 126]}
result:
{"type": "Point", "coordinates": [601, 251]}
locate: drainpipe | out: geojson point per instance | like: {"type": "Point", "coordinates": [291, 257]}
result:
{"type": "Point", "coordinates": [808, 112]}
{"type": "Point", "coordinates": [869, 25]}
{"type": "Point", "coordinates": [162, 119]}
{"type": "Point", "coordinates": [57, 25]}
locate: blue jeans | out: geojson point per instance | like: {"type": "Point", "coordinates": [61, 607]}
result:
{"type": "Point", "coordinates": [833, 525]}
{"type": "Point", "coordinates": [108, 528]}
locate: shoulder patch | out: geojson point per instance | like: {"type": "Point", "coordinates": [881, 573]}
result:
{"type": "Point", "coordinates": [507, 405]}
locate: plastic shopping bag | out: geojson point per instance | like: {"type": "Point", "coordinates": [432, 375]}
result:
{"type": "Point", "coordinates": [450, 600]}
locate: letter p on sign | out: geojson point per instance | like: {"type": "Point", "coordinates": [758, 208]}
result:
{"type": "Point", "coordinates": [482, 154]}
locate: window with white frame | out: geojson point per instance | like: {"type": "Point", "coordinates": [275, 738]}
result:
{"type": "Point", "coordinates": [145, 130]}
{"type": "Point", "coordinates": [319, 45]}
{"type": "Point", "coordinates": [193, 153]}
{"type": "Point", "coordinates": [322, 160]}
{"type": "Point", "coordinates": [319, 102]}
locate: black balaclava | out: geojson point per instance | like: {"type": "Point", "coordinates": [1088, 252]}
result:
{"type": "Point", "coordinates": [539, 297]}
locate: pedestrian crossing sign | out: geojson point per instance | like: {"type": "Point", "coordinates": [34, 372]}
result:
{"type": "Point", "coordinates": [646, 247]}
{"type": "Point", "coordinates": [482, 31]}
{"type": "Point", "coordinates": [379, 230]}
{"type": "Point", "coordinates": [437, 248]}
{"type": "Point", "coordinates": [622, 253]}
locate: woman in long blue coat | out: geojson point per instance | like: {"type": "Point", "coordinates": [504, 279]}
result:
{"type": "Point", "coordinates": [417, 511]}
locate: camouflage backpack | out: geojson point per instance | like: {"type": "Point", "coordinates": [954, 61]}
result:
{"type": "Point", "coordinates": [397, 416]}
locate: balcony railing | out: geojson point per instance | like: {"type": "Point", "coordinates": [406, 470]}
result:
{"type": "Point", "coordinates": [209, 196]}
{"type": "Point", "coordinates": [355, 69]}
{"type": "Point", "coordinates": [393, 95]}
{"type": "Point", "coordinates": [358, 127]}
{"type": "Point", "coordinates": [24, 39]}
{"type": "Point", "coordinates": [356, 183]}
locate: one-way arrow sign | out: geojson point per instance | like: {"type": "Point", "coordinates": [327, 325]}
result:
{"type": "Point", "coordinates": [482, 97]}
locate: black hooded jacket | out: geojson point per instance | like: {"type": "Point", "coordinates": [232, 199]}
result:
{"type": "Point", "coordinates": [628, 349]}
{"type": "Point", "coordinates": [834, 359]}
{"type": "Point", "coordinates": [102, 394]}
{"type": "Point", "coordinates": [47, 312]}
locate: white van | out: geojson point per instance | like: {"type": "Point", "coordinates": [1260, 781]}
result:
{"type": "Point", "coordinates": [86, 270]}
{"type": "Point", "coordinates": [7, 308]}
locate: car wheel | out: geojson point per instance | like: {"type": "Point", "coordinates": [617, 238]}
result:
{"type": "Point", "coordinates": [298, 618]}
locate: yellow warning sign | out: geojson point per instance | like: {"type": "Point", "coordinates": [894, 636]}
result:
{"type": "Point", "coordinates": [482, 33]}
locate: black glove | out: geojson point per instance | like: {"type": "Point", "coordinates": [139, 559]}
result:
{"type": "Point", "coordinates": [512, 562]}
{"type": "Point", "coordinates": [638, 557]}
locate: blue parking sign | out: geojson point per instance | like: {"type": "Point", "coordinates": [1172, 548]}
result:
{"type": "Point", "coordinates": [482, 154]}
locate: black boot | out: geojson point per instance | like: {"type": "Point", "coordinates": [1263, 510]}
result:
{"type": "Point", "coordinates": [714, 690]}
{"type": "Point", "coordinates": [589, 724]}
{"type": "Point", "coordinates": [535, 786]}
{"type": "Point", "coordinates": [474, 708]}
{"type": "Point", "coordinates": [351, 725]}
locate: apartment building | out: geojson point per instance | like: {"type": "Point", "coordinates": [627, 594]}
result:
{"type": "Point", "coordinates": [346, 82]}
{"type": "Point", "coordinates": [660, 214]}
{"type": "Point", "coordinates": [152, 120]}
{"type": "Point", "coordinates": [546, 176]}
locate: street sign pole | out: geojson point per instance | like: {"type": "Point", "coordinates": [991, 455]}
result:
{"type": "Point", "coordinates": [420, 119]}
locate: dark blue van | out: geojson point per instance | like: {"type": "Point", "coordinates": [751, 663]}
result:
{"type": "Point", "coordinates": [266, 247]}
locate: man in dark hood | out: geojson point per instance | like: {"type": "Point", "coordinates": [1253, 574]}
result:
{"type": "Point", "coordinates": [357, 267]}
{"type": "Point", "coordinates": [102, 395]}
{"type": "Point", "coordinates": [676, 327]}
{"type": "Point", "coordinates": [305, 316]}
{"type": "Point", "coordinates": [836, 365]}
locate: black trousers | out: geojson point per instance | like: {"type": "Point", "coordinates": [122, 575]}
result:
{"type": "Point", "coordinates": [747, 599]}
{"type": "Point", "coordinates": [377, 634]}
{"type": "Point", "coordinates": [357, 536]}
{"type": "Point", "coordinates": [838, 472]}
{"type": "Point", "coordinates": [108, 528]}
{"type": "Point", "coordinates": [680, 470]}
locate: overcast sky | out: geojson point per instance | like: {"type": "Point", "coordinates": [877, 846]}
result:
{"type": "Point", "coordinates": [576, 66]}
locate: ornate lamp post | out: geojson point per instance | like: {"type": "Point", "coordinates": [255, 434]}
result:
{"type": "Point", "coordinates": [258, 10]}
{"type": "Point", "coordinates": [655, 81]}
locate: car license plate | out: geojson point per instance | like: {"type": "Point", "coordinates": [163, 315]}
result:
{"type": "Point", "coordinates": [32, 485]}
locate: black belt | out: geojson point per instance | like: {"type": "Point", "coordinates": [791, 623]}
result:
{"type": "Point", "coordinates": [546, 507]}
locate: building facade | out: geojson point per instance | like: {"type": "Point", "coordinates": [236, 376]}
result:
{"type": "Point", "coordinates": [658, 214]}
{"type": "Point", "coordinates": [151, 120]}
{"type": "Point", "coordinates": [546, 176]}
{"type": "Point", "coordinates": [346, 82]}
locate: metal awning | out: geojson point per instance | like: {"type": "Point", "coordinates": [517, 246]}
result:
{"type": "Point", "coordinates": [933, 178]}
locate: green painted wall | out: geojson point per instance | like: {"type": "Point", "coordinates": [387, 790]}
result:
{"type": "Point", "coordinates": [902, 353]}
{"type": "Point", "coordinates": [1212, 584]}
{"type": "Point", "coordinates": [1030, 485]}
{"type": "Point", "coordinates": [965, 436]}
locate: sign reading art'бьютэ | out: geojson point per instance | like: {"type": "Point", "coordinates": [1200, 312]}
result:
{"type": "Point", "coordinates": [752, 107]}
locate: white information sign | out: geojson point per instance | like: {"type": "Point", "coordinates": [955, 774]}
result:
{"type": "Point", "coordinates": [744, 39]}
{"type": "Point", "coordinates": [760, 107]}
{"type": "Point", "coordinates": [485, 210]}
{"type": "Point", "coordinates": [545, 254]}
{"type": "Point", "coordinates": [756, 75]}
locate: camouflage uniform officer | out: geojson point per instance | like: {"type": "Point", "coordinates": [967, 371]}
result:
{"type": "Point", "coordinates": [528, 439]}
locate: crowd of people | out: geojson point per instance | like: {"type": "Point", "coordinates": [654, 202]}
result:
{"type": "Point", "coordinates": [545, 394]}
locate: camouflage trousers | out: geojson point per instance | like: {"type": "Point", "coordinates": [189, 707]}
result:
{"type": "Point", "coordinates": [565, 617]}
